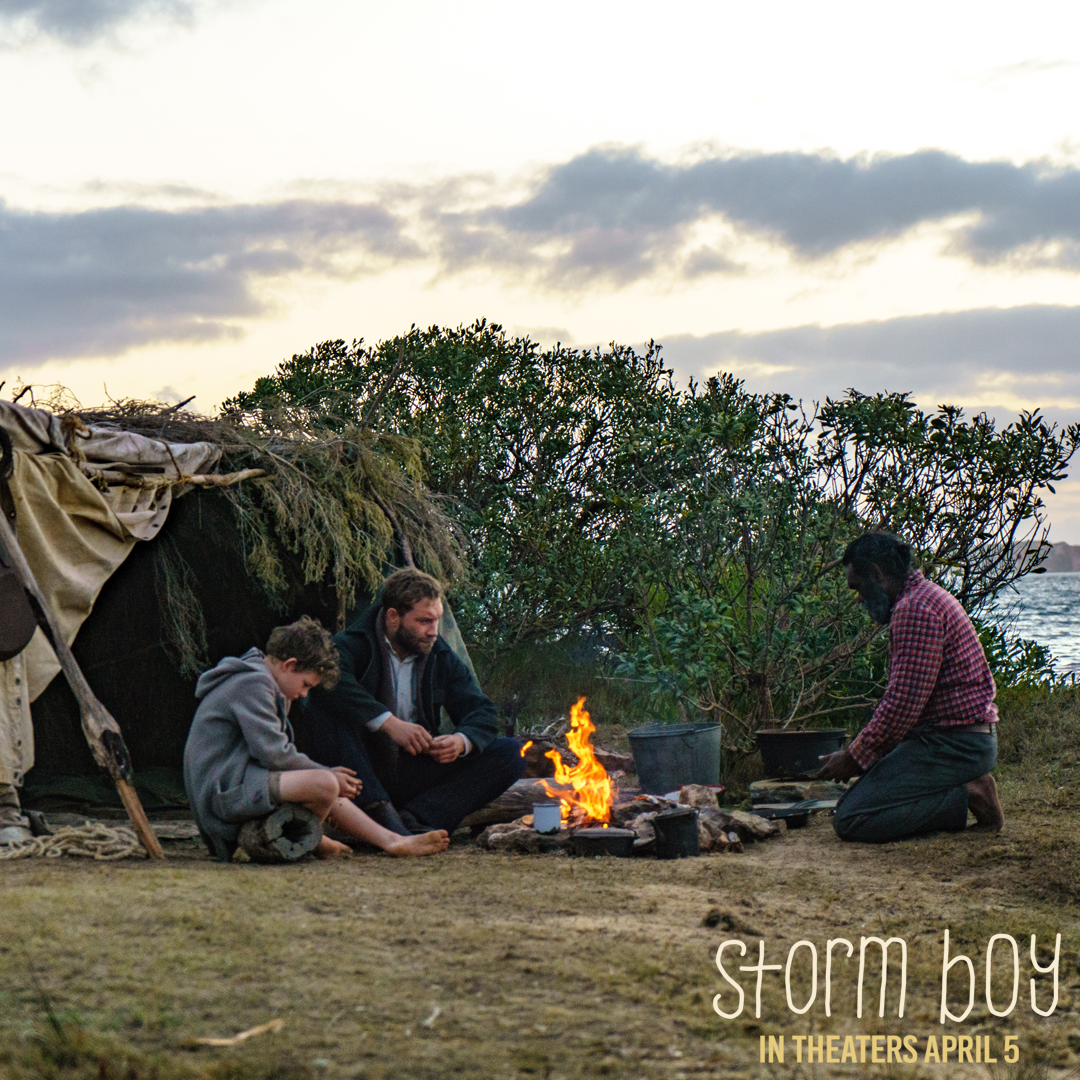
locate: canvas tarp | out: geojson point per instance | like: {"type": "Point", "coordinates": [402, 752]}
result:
{"type": "Point", "coordinates": [74, 536]}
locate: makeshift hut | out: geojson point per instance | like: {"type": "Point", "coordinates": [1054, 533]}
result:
{"type": "Point", "coordinates": [166, 540]}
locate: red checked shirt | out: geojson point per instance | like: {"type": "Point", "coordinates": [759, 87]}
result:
{"type": "Point", "coordinates": [938, 675]}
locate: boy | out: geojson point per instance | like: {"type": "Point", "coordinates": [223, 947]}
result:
{"type": "Point", "coordinates": [240, 761]}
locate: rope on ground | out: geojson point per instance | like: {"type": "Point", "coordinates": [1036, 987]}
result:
{"type": "Point", "coordinates": [94, 840]}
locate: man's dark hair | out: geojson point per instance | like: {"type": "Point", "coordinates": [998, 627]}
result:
{"type": "Point", "coordinates": [404, 589]}
{"type": "Point", "coordinates": [311, 646]}
{"type": "Point", "coordinates": [880, 549]}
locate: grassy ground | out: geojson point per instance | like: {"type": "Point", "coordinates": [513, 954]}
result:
{"type": "Point", "coordinates": [486, 965]}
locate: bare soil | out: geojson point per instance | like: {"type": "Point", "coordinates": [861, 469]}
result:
{"type": "Point", "coordinates": [477, 964]}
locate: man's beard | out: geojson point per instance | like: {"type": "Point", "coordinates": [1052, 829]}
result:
{"type": "Point", "coordinates": [405, 639]}
{"type": "Point", "coordinates": [877, 602]}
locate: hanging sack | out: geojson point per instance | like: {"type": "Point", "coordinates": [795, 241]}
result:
{"type": "Point", "coordinates": [17, 622]}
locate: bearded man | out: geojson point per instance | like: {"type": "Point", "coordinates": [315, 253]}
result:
{"type": "Point", "coordinates": [383, 717]}
{"type": "Point", "coordinates": [926, 754]}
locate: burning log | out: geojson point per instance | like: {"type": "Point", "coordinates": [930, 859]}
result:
{"type": "Point", "coordinates": [514, 803]}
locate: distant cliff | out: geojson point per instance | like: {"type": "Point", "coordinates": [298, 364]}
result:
{"type": "Point", "coordinates": [1064, 558]}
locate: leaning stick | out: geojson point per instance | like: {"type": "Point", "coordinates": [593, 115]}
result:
{"type": "Point", "coordinates": [101, 730]}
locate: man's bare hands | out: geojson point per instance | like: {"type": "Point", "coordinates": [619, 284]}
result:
{"type": "Point", "coordinates": [410, 737]}
{"type": "Point", "coordinates": [447, 748]}
{"type": "Point", "coordinates": [840, 766]}
{"type": "Point", "coordinates": [348, 785]}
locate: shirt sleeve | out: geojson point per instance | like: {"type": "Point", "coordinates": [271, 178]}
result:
{"type": "Point", "coordinates": [374, 725]}
{"type": "Point", "coordinates": [917, 642]}
{"type": "Point", "coordinates": [464, 739]}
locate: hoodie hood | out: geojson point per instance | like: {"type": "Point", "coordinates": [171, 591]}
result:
{"type": "Point", "coordinates": [253, 660]}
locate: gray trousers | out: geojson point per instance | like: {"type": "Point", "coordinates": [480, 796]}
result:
{"type": "Point", "coordinates": [919, 787]}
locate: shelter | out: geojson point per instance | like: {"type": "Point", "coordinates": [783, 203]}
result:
{"type": "Point", "coordinates": [167, 540]}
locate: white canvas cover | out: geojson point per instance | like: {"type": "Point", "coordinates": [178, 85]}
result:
{"type": "Point", "coordinates": [74, 536]}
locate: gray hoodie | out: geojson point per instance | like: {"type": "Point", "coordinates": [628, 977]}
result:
{"type": "Point", "coordinates": [239, 735]}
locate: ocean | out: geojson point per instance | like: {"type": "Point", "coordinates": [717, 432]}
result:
{"type": "Point", "coordinates": [1046, 608]}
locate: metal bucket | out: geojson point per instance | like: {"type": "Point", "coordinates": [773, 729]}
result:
{"type": "Point", "coordinates": [676, 834]}
{"type": "Point", "coordinates": [668, 755]}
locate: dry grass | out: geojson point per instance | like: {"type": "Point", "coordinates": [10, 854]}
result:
{"type": "Point", "coordinates": [488, 965]}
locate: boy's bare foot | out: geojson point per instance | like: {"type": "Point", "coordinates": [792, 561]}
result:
{"type": "Point", "coordinates": [429, 843]}
{"type": "Point", "coordinates": [983, 803]}
{"type": "Point", "coordinates": [331, 849]}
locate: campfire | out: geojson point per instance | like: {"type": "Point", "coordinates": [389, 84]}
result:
{"type": "Point", "coordinates": [592, 792]}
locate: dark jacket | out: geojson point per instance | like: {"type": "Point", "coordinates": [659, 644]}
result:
{"type": "Point", "coordinates": [444, 681]}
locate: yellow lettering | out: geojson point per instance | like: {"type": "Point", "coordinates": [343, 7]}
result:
{"type": "Point", "coordinates": [818, 1048]}
{"type": "Point", "coordinates": [1010, 1045]}
{"type": "Point", "coordinates": [987, 1059]}
{"type": "Point", "coordinates": [948, 1042]}
{"type": "Point", "coordinates": [798, 1040]}
{"type": "Point", "coordinates": [964, 1050]}
{"type": "Point", "coordinates": [931, 1048]}
{"type": "Point", "coordinates": [911, 1046]}
{"type": "Point", "coordinates": [863, 1040]}
{"type": "Point", "coordinates": [833, 1050]}
{"type": "Point", "coordinates": [776, 1046]}
{"type": "Point", "coordinates": [893, 1048]}
{"type": "Point", "coordinates": [849, 1047]}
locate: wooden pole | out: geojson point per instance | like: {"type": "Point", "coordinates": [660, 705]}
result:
{"type": "Point", "coordinates": [101, 730]}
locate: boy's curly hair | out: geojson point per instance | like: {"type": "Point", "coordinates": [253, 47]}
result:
{"type": "Point", "coordinates": [311, 646]}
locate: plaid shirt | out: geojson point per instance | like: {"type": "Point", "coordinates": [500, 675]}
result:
{"type": "Point", "coordinates": [938, 675]}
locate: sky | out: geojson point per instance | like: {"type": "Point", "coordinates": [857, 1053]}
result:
{"type": "Point", "coordinates": [813, 197]}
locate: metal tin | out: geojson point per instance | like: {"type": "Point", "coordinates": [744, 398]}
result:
{"type": "Point", "coordinates": [676, 834]}
{"type": "Point", "coordinates": [547, 816]}
{"type": "Point", "coordinates": [599, 841]}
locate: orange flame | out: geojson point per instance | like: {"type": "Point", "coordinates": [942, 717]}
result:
{"type": "Point", "coordinates": [526, 747]}
{"type": "Point", "coordinates": [589, 779]}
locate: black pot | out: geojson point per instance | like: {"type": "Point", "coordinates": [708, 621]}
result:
{"type": "Point", "coordinates": [792, 754]}
{"type": "Point", "coordinates": [600, 841]}
{"type": "Point", "coordinates": [676, 834]}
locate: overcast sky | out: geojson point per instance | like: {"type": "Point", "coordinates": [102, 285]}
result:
{"type": "Point", "coordinates": [813, 197]}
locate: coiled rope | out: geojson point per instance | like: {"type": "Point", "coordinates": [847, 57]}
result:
{"type": "Point", "coordinates": [94, 840]}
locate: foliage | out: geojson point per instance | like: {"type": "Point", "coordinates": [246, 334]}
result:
{"type": "Point", "coordinates": [701, 527]}
{"type": "Point", "coordinates": [537, 451]}
{"type": "Point", "coordinates": [748, 617]}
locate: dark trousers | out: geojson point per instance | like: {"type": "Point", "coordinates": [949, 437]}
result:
{"type": "Point", "coordinates": [919, 787]}
{"type": "Point", "coordinates": [437, 795]}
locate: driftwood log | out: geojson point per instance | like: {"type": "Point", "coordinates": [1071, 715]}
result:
{"type": "Point", "coordinates": [289, 833]}
{"type": "Point", "coordinates": [514, 803]}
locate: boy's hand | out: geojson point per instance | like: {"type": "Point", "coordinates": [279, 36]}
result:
{"type": "Point", "coordinates": [348, 785]}
{"type": "Point", "coordinates": [447, 748]}
{"type": "Point", "coordinates": [411, 737]}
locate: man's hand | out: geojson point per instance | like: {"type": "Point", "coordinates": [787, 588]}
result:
{"type": "Point", "coordinates": [410, 737]}
{"type": "Point", "coordinates": [840, 766]}
{"type": "Point", "coordinates": [348, 785]}
{"type": "Point", "coordinates": [447, 748]}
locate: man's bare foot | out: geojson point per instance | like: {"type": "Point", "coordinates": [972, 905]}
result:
{"type": "Point", "coordinates": [983, 803]}
{"type": "Point", "coordinates": [429, 843]}
{"type": "Point", "coordinates": [331, 849]}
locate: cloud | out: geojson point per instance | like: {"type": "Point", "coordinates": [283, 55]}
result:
{"type": "Point", "coordinates": [83, 22]}
{"type": "Point", "coordinates": [102, 281]}
{"type": "Point", "coordinates": [614, 215]}
{"type": "Point", "coordinates": [991, 356]}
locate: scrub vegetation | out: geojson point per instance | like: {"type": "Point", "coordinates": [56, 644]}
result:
{"type": "Point", "coordinates": [693, 532]}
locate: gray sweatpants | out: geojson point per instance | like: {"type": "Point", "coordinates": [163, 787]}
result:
{"type": "Point", "coordinates": [917, 788]}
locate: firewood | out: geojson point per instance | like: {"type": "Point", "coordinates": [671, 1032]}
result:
{"type": "Point", "coordinates": [514, 803]}
{"type": "Point", "coordinates": [289, 833]}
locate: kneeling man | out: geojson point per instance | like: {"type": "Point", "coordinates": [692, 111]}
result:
{"type": "Point", "coordinates": [382, 718]}
{"type": "Point", "coordinates": [928, 750]}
